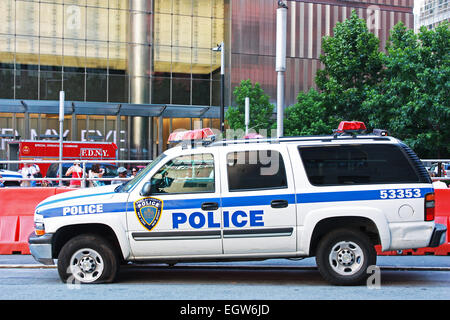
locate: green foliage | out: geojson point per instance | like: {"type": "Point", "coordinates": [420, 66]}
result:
{"type": "Point", "coordinates": [261, 109]}
{"type": "Point", "coordinates": [412, 101]}
{"type": "Point", "coordinates": [352, 65]}
{"type": "Point", "coordinates": [405, 90]}
{"type": "Point", "coordinates": [308, 116]}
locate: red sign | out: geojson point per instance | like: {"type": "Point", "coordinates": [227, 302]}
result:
{"type": "Point", "coordinates": [94, 153]}
{"type": "Point", "coordinates": [75, 150]}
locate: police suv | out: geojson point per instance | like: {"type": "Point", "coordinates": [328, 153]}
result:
{"type": "Point", "coordinates": [333, 197]}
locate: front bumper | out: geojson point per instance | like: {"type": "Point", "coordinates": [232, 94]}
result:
{"type": "Point", "coordinates": [438, 236]}
{"type": "Point", "coordinates": [41, 248]}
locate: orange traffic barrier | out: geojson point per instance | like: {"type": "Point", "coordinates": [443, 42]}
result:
{"type": "Point", "coordinates": [18, 205]}
{"type": "Point", "coordinates": [442, 216]}
{"type": "Point", "coordinates": [17, 216]}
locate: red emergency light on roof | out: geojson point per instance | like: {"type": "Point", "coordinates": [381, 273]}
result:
{"type": "Point", "coordinates": [190, 135]}
{"type": "Point", "coordinates": [351, 126]}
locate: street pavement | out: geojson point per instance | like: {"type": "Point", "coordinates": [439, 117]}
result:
{"type": "Point", "coordinates": [401, 278]}
{"type": "Point", "coordinates": [387, 262]}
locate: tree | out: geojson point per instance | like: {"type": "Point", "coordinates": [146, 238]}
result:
{"type": "Point", "coordinates": [261, 109]}
{"type": "Point", "coordinates": [308, 116]}
{"type": "Point", "coordinates": [352, 66]}
{"type": "Point", "coordinates": [412, 101]}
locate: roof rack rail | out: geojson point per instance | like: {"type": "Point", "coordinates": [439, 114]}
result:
{"type": "Point", "coordinates": [298, 138]}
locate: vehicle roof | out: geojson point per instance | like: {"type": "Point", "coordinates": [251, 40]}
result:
{"type": "Point", "coordinates": [300, 140]}
{"type": "Point", "coordinates": [307, 139]}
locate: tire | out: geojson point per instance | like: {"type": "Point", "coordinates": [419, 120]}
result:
{"type": "Point", "coordinates": [343, 257]}
{"type": "Point", "coordinates": [87, 258]}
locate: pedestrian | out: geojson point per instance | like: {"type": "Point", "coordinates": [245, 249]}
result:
{"type": "Point", "coordinates": [76, 172]}
{"type": "Point", "coordinates": [35, 173]}
{"type": "Point", "coordinates": [133, 172]}
{"type": "Point", "coordinates": [94, 174]}
{"type": "Point", "coordinates": [436, 171]}
{"type": "Point", "coordinates": [26, 174]}
{"type": "Point", "coordinates": [122, 173]}
{"type": "Point", "coordinates": [438, 184]}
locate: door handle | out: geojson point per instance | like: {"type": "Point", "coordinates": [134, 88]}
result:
{"type": "Point", "coordinates": [279, 203]}
{"type": "Point", "coordinates": [210, 206]}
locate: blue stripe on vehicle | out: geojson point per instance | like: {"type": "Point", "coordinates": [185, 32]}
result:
{"type": "Point", "coordinates": [107, 208]}
{"type": "Point", "coordinates": [246, 201]}
{"type": "Point", "coordinates": [72, 198]}
{"type": "Point", "coordinates": [256, 200]}
{"type": "Point", "coordinates": [186, 203]}
{"type": "Point", "coordinates": [359, 195]}
{"type": "Point", "coordinates": [227, 201]}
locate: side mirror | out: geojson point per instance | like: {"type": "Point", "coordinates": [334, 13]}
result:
{"type": "Point", "coordinates": [146, 189]}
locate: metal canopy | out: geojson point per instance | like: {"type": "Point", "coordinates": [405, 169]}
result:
{"type": "Point", "coordinates": [109, 109]}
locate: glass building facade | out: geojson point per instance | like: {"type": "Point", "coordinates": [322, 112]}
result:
{"type": "Point", "coordinates": [82, 47]}
{"type": "Point", "coordinates": [110, 51]}
{"type": "Point", "coordinates": [155, 53]}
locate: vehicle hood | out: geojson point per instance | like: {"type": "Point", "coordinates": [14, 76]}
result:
{"type": "Point", "coordinates": [10, 174]}
{"type": "Point", "coordinates": [53, 206]}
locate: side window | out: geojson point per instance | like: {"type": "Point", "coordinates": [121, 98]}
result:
{"type": "Point", "coordinates": [185, 174]}
{"type": "Point", "coordinates": [357, 164]}
{"type": "Point", "coordinates": [255, 170]}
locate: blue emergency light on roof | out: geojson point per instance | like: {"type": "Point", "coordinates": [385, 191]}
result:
{"type": "Point", "coordinates": [205, 135]}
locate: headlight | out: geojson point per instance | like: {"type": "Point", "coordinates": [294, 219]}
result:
{"type": "Point", "coordinates": [39, 227]}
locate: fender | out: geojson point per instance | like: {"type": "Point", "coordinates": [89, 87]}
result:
{"type": "Point", "coordinates": [114, 221]}
{"type": "Point", "coordinates": [313, 217]}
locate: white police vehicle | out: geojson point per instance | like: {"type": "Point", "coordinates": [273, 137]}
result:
{"type": "Point", "coordinates": [10, 178]}
{"type": "Point", "coordinates": [332, 197]}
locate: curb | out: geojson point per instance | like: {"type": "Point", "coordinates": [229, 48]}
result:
{"type": "Point", "coordinates": [26, 266]}
{"type": "Point", "coordinates": [241, 267]}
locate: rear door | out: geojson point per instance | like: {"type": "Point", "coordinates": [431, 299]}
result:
{"type": "Point", "coordinates": [259, 214]}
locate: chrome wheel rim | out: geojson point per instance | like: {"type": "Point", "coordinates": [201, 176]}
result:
{"type": "Point", "coordinates": [86, 265]}
{"type": "Point", "coordinates": [346, 258]}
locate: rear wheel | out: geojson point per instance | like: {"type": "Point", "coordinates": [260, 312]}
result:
{"type": "Point", "coordinates": [87, 259]}
{"type": "Point", "coordinates": [343, 257]}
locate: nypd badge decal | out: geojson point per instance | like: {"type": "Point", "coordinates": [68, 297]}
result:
{"type": "Point", "coordinates": [148, 211]}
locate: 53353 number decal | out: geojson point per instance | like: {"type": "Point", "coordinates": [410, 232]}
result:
{"type": "Point", "coordinates": [400, 193]}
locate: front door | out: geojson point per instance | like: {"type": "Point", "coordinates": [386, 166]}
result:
{"type": "Point", "coordinates": [181, 214]}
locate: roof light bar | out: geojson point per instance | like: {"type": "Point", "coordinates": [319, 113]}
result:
{"type": "Point", "coordinates": [345, 126]}
{"type": "Point", "coordinates": [205, 135]}
{"type": "Point", "coordinates": [380, 132]}
{"type": "Point", "coordinates": [352, 127]}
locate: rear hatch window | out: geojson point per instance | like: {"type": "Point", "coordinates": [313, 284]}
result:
{"type": "Point", "coordinates": [359, 164]}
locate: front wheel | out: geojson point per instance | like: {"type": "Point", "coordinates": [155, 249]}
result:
{"type": "Point", "coordinates": [343, 257]}
{"type": "Point", "coordinates": [87, 259]}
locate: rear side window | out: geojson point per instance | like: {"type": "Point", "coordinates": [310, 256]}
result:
{"type": "Point", "coordinates": [357, 164]}
{"type": "Point", "coordinates": [255, 170]}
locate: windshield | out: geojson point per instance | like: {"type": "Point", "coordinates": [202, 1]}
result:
{"type": "Point", "coordinates": [141, 174]}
